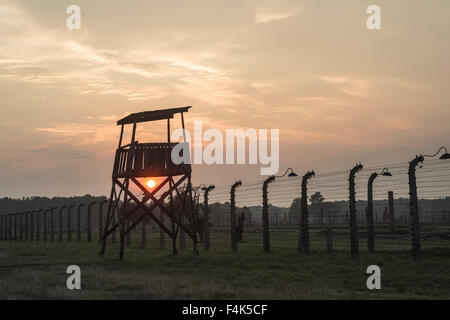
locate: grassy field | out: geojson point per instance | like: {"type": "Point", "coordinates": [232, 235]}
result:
{"type": "Point", "coordinates": [38, 270]}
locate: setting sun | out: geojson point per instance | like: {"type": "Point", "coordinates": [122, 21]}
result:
{"type": "Point", "coordinates": [151, 183]}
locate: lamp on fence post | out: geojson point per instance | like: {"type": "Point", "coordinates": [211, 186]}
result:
{"type": "Point", "coordinates": [354, 246]}
{"type": "Point", "coordinates": [206, 214]}
{"type": "Point", "coordinates": [370, 223]}
{"type": "Point", "coordinates": [265, 212]}
{"type": "Point", "coordinates": [79, 222]}
{"type": "Point", "coordinates": [38, 230]}
{"type": "Point", "coordinates": [233, 226]}
{"type": "Point", "coordinates": [303, 240]}
{"type": "Point", "coordinates": [88, 221]}
{"type": "Point", "coordinates": [413, 200]}
{"type": "Point", "coordinates": [61, 223]}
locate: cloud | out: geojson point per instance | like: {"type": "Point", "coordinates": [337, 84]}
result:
{"type": "Point", "coordinates": [267, 14]}
{"type": "Point", "coordinates": [349, 85]}
{"type": "Point", "coordinates": [79, 133]}
{"type": "Point", "coordinates": [138, 74]}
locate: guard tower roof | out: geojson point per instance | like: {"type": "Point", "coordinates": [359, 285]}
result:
{"type": "Point", "coordinates": [151, 115]}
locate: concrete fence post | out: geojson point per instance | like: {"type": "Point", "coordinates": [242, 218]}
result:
{"type": "Point", "coordinates": [354, 242]}
{"type": "Point", "coordinates": [206, 215]}
{"type": "Point", "coordinates": [89, 221]}
{"type": "Point", "coordinates": [233, 222]}
{"type": "Point", "coordinates": [265, 215]}
{"type": "Point", "coordinates": [303, 240]}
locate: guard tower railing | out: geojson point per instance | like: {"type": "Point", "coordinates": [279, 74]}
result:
{"type": "Point", "coordinates": [147, 160]}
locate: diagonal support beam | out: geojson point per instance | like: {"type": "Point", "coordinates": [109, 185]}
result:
{"type": "Point", "coordinates": [128, 214]}
{"type": "Point", "coordinates": [161, 205]}
{"type": "Point", "coordinates": [140, 205]}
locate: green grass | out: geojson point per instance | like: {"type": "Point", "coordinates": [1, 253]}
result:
{"type": "Point", "coordinates": [37, 270]}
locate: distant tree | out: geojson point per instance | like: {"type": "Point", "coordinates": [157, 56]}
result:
{"type": "Point", "coordinates": [316, 198]}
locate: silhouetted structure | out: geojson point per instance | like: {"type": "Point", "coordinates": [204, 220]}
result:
{"type": "Point", "coordinates": [233, 226]}
{"type": "Point", "coordinates": [354, 242]}
{"type": "Point", "coordinates": [240, 227]}
{"type": "Point", "coordinates": [303, 240]}
{"type": "Point", "coordinates": [142, 160]}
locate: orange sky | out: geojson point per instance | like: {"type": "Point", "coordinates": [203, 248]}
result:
{"type": "Point", "coordinates": [338, 92]}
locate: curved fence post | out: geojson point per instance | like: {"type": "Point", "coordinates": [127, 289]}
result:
{"type": "Point", "coordinates": [45, 225]}
{"type": "Point", "coordinates": [113, 234]}
{"type": "Point", "coordinates": [21, 226]}
{"type": "Point", "coordinates": [61, 223]}
{"type": "Point", "coordinates": [100, 220]}
{"type": "Point", "coordinates": [32, 225]}
{"type": "Point", "coordinates": [414, 207]}
{"type": "Point", "coordinates": [162, 234]}
{"type": "Point", "coordinates": [143, 235]}
{"type": "Point", "coordinates": [206, 215]}
{"type": "Point", "coordinates": [88, 221]}
{"type": "Point", "coordinates": [233, 223]}
{"type": "Point", "coordinates": [69, 222]}
{"type": "Point", "coordinates": [26, 225]}
{"type": "Point", "coordinates": [182, 236]}
{"type": "Point", "coordinates": [354, 245]}
{"type": "Point", "coordinates": [52, 224]}
{"type": "Point", "coordinates": [6, 227]}
{"type": "Point", "coordinates": [370, 226]}
{"type": "Point", "coordinates": [79, 222]}
{"type": "Point", "coordinates": [303, 240]}
{"type": "Point", "coordinates": [12, 227]}
{"type": "Point", "coordinates": [38, 221]}
{"type": "Point", "coordinates": [15, 226]}
{"type": "Point", "coordinates": [265, 215]}
{"type": "Point", "coordinates": [2, 225]}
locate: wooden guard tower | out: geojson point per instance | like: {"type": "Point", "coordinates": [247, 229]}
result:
{"type": "Point", "coordinates": [173, 195]}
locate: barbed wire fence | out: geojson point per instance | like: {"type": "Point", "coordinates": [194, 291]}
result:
{"type": "Point", "coordinates": [327, 204]}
